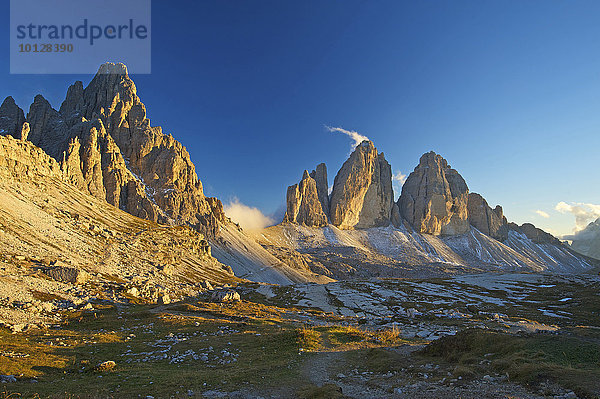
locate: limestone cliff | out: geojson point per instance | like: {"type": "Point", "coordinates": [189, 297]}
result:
{"type": "Point", "coordinates": [485, 219]}
{"type": "Point", "coordinates": [320, 176]}
{"type": "Point", "coordinates": [362, 194]}
{"type": "Point", "coordinates": [303, 205]}
{"type": "Point", "coordinates": [434, 198]}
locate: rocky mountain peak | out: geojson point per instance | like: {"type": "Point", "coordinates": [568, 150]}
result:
{"type": "Point", "coordinates": [485, 219]}
{"type": "Point", "coordinates": [303, 205]}
{"type": "Point", "coordinates": [12, 118]}
{"type": "Point", "coordinates": [362, 193]}
{"type": "Point", "coordinates": [320, 176]}
{"type": "Point", "coordinates": [106, 146]}
{"type": "Point", "coordinates": [434, 198]}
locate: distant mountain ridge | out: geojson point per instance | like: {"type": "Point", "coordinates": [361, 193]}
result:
{"type": "Point", "coordinates": [587, 241]}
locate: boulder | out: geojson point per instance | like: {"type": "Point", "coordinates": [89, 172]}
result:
{"type": "Point", "coordinates": [66, 274]}
{"type": "Point", "coordinates": [108, 365]}
{"type": "Point", "coordinates": [434, 198]}
{"type": "Point", "coordinates": [164, 299]}
{"type": "Point", "coordinates": [362, 195]}
{"type": "Point", "coordinates": [133, 291]}
{"type": "Point", "coordinates": [225, 296]}
{"type": "Point", "coordinates": [7, 379]}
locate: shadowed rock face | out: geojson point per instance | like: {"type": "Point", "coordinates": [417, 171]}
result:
{"type": "Point", "coordinates": [535, 234]}
{"type": "Point", "coordinates": [320, 176]}
{"type": "Point", "coordinates": [434, 198]}
{"type": "Point", "coordinates": [12, 120]}
{"type": "Point", "coordinates": [106, 145]}
{"type": "Point", "coordinates": [362, 194]}
{"type": "Point", "coordinates": [587, 241]}
{"type": "Point", "coordinates": [485, 219]}
{"type": "Point", "coordinates": [303, 205]}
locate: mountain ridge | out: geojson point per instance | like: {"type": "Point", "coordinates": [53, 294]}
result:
{"type": "Point", "coordinates": [102, 143]}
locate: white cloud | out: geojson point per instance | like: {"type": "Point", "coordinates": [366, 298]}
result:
{"type": "Point", "coordinates": [356, 137]}
{"type": "Point", "coordinates": [399, 178]}
{"type": "Point", "coordinates": [248, 217]}
{"type": "Point", "coordinates": [584, 213]}
{"type": "Point", "coordinates": [542, 214]}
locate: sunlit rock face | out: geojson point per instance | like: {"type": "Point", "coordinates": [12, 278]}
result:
{"type": "Point", "coordinates": [362, 195]}
{"type": "Point", "coordinates": [434, 198]}
{"type": "Point", "coordinates": [303, 205]}
{"type": "Point", "coordinates": [103, 140]}
{"type": "Point", "coordinates": [485, 219]}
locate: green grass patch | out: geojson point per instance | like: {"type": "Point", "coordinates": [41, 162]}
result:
{"type": "Point", "coordinates": [568, 360]}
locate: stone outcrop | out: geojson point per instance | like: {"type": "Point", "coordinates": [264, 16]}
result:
{"type": "Point", "coordinates": [12, 120]}
{"type": "Point", "coordinates": [67, 274]}
{"type": "Point", "coordinates": [362, 194]}
{"type": "Point", "coordinates": [303, 205]}
{"type": "Point", "coordinates": [320, 176]}
{"type": "Point", "coordinates": [22, 159]}
{"type": "Point", "coordinates": [485, 219]}
{"type": "Point", "coordinates": [225, 295]}
{"type": "Point", "coordinates": [106, 146]}
{"type": "Point", "coordinates": [434, 198]}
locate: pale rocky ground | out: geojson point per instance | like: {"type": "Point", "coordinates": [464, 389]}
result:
{"type": "Point", "coordinates": [402, 252]}
{"type": "Point", "coordinates": [45, 220]}
{"type": "Point", "coordinates": [513, 303]}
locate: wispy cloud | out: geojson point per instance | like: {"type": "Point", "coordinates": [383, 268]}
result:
{"type": "Point", "coordinates": [398, 180]}
{"type": "Point", "coordinates": [248, 217]}
{"type": "Point", "coordinates": [584, 213]}
{"type": "Point", "coordinates": [542, 214]}
{"type": "Point", "coordinates": [356, 137]}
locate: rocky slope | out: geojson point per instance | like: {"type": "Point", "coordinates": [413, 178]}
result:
{"type": "Point", "coordinates": [61, 245]}
{"type": "Point", "coordinates": [403, 252]}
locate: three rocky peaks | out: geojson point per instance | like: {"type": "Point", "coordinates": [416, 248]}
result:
{"type": "Point", "coordinates": [435, 199]}
{"type": "Point", "coordinates": [106, 146]}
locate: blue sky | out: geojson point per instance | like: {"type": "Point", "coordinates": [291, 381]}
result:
{"type": "Point", "coordinates": [507, 91]}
